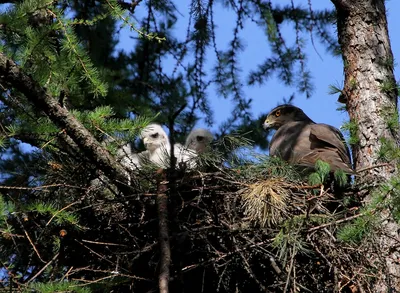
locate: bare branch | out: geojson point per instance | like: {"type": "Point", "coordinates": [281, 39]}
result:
{"type": "Point", "coordinates": [42, 269]}
{"type": "Point", "coordinates": [162, 209]}
{"type": "Point", "coordinates": [129, 6]}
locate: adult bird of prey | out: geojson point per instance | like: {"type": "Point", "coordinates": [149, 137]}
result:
{"type": "Point", "coordinates": [199, 139]}
{"type": "Point", "coordinates": [158, 146]}
{"type": "Point", "coordinates": [301, 141]}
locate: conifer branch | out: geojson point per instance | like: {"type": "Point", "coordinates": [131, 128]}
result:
{"type": "Point", "coordinates": [118, 12]}
{"type": "Point", "coordinates": [11, 74]}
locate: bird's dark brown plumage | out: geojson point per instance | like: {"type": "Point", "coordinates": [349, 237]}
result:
{"type": "Point", "coordinates": [301, 141]}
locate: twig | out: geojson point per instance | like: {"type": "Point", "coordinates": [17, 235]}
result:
{"type": "Point", "coordinates": [274, 265]}
{"type": "Point", "coordinates": [66, 274]}
{"type": "Point", "coordinates": [33, 245]}
{"type": "Point", "coordinates": [162, 210]}
{"type": "Point", "coordinates": [216, 259]}
{"type": "Point", "coordinates": [129, 6]}
{"type": "Point", "coordinates": [102, 257]}
{"type": "Point", "coordinates": [42, 269]}
{"type": "Point", "coordinates": [39, 187]}
{"type": "Point", "coordinates": [112, 273]}
{"type": "Point", "coordinates": [320, 253]}
{"type": "Point", "coordinates": [51, 140]}
{"type": "Point", "coordinates": [309, 186]}
{"type": "Point", "coordinates": [8, 234]}
{"type": "Point", "coordinates": [171, 122]}
{"type": "Point", "coordinates": [178, 111]}
{"type": "Point", "coordinates": [232, 182]}
{"type": "Point", "coordinates": [372, 167]}
{"type": "Point", "coordinates": [103, 243]}
{"type": "Point", "coordinates": [248, 268]}
{"type": "Point", "coordinates": [289, 272]}
{"type": "Point", "coordinates": [91, 281]}
{"type": "Point", "coordinates": [64, 208]}
{"type": "Point", "coordinates": [335, 222]}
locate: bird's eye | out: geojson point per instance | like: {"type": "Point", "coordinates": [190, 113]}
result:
{"type": "Point", "coordinates": [278, 113]}
{"type": "Point", "coordinates": [155, 135]}
{"type": "Point", "coordinates": [200, 138]}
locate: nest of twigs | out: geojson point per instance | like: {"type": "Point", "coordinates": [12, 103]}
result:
{"type": "Point", "coordinates": [226, 234]}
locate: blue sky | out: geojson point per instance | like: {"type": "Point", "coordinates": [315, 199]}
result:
{"type": "Point", "coordinates": [325, 69]}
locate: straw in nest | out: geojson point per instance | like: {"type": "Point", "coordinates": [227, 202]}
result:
{"type": "Point", "coordinates": [264, 202]}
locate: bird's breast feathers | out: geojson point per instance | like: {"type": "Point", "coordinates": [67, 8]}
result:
{"type": "Point", "coordinates": [287, 138]}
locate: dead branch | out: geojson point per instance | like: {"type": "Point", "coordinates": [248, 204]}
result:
{"type": "Point", "coordinates": [39, 187]}
{"type": "Point", "coordinates": [165, 250]}
{"type": "Point", "coordinates": [103, 243]}
{"type": "Point", "coordinates": [42, 269]}
{"type": "Point", "coordinates": [31, 242]}
{"type": "Point", "coordinates": [129, 6]}
{"type": "Point", "coordinates": [335, 222]}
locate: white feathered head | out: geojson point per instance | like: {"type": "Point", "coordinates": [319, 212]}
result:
{"type": "Point", "coordinates": [154, 137]}
{"type": "Point", "coordinates": [199, 139]}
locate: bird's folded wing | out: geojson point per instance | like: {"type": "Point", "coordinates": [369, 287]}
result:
{"type": "Point", "coordinates": [331, 137]}
{"type": "Point", "coordinates": [329, 156]}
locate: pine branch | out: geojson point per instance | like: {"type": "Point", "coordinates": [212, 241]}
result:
{"type": "Point", "coordinates": [12, 75]}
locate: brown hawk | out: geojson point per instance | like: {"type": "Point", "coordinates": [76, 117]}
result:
{"type": "Point", "coordinates": [301, 141]}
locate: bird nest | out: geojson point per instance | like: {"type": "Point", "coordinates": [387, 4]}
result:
{"type": "Point", "coordinates": [229, 231]}
{"type": "Point", "coordinates": [269, 230]}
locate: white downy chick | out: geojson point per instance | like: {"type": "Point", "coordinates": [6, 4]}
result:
{"type": "Point", "coordinates": [199, 140]}
{"type": "Point", "coordinates": [157, 144]}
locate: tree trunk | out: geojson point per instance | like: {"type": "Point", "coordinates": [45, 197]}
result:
{"type": "Point", "coordinates": [370, 95]}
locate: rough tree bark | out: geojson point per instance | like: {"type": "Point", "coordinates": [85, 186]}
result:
{"type": "Point", "coordinates": [12, 75]}
{"type": "Point", "coordinates": [368, 67]}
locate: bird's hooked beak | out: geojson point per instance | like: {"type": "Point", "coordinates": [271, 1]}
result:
{"type": "Point", "coordinates": [267, 124]}
{"type": "Point", "coordinates": [145, 140]}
